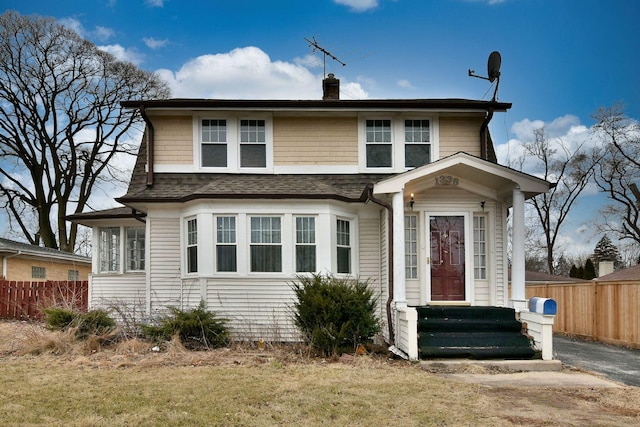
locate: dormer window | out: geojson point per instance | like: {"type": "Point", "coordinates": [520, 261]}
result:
{"type": "Point", "coordinates": [253, 144]}
{"type": "Point", "coordinates": [379, 144]}
{"type": "Point", "coordinates": [417, 146]}
{"type": "Point", "coordinates": [214, 143]}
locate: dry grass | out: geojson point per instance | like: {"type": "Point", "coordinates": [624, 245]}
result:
{"type": "Point", "coordinates": [129, 384]}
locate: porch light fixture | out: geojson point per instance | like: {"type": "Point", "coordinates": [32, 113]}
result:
{"type": "Point", "coordinates": [411, 202]}
{"type": "Point", "coordinates": [482, 205]}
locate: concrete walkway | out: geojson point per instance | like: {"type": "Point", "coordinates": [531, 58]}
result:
{"type": "Point", "coordinates": [613, 362]}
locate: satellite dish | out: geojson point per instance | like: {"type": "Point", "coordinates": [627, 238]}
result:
{"type": "Point", "coordinates": [493, 65]}
{"type": "Point", "coordinates": [493, 71]}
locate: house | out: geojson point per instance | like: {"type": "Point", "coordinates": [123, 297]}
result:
{"type": "Point", "coordinates": [230, 200]}
{"type": "Point", "coordinates": [32, 263]}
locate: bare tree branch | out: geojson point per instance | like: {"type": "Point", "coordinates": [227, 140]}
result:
{"type": "Point", "coordinates": [61, 123]}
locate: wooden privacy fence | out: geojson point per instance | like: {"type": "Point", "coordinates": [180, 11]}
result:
{"type": "Point", "coordinates": [25, 300]}
{"type": "Point", "coordinates": [603, 311]}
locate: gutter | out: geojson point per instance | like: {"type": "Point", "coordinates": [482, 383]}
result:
{"type": "Point", "coordinates": [389, 208]}
{"type": "Point", "coordinates": [4, 263]}
{"type": "Point", "coordinates": [150, 145]}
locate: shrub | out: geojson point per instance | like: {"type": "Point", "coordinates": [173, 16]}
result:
{"type": "Point", "coordinates": [334, 314]}
{"type": "Point", "coordinates": [58, 318]}
{"type": "Point", "coordinates": [93, 322]}
{"type": "Point", "coordinates": [197, 328]}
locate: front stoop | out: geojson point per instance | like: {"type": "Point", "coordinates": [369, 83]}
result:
{"type": "Point", "coordinates": [471, 332]}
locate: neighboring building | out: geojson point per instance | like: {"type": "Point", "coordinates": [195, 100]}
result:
{"type": "Point", "coordinates": [630, 273]}
{"type": "Point", "coordinates": [31, 263]}
{"type": "Point", "coordinates": [230, 200]}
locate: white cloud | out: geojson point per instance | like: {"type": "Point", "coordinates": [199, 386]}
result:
{"type": "Point", "coordinates": [249, 73]}
{"type": "Point", "coordinates": [154, 43]}
{"type": "Point", "coordinates": [358, 5]}
{"type": "Point", "coordinates": [489, 2]}
{"type": "Point", "coordinates": [100, 33]}
{"type": "Point", "coordinates": [154, 3]}
{"type": "Point", "coordinates": [406, 84]}
{"type": "Point", "coordinates": [123, 54]}
{"type": "Point", "coordinates": [103, 33]}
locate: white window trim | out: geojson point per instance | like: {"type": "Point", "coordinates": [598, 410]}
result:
{"type": "Point", "coordinates": [285, 248]}
{"type": "Point", "coordinates": [216, 243]}
{"type": "Point", "coordinates": [397, 140]}
{"type": "Point", "coordinates": [295, 243]}
{"type": "Point", "coordinates": [233, 142]}
{"type": "Point", "coordinates": [354, 239]}
{"type": "Point", "coordinates": [126, 249]}
{"type": "Point", "coordinates": [185, 246]}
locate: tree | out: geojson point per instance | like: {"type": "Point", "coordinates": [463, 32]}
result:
{"type": "Point", "coordinates": [605, 250]}
{"type": "Point", "coordinates": [618, 174]}
{"type": "Point", "coordinates": [571, 170]}
{"type": "Point", "coordinates": [589, 271]}
{"type": "Point", "coordinates": [61, 124]}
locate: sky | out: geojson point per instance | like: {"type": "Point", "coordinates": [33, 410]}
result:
{"type": "Point", "coordinates": [561, 59]}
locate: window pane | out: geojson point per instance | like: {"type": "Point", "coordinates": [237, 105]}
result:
{"type": "Point", "coordinates": [416, 131]}
{"type": "Point", "coordinates": [266, 258]}
{"type": "Point", "coordinates": [252, 131]}
{"type": "Point", "coordinates": [192, 246]}
{"type": "Point", "coordinates": [411, 246]}
{"type": "Point", "coordinates": [305, 230]}
{"type": "Point", "coordinates": [253, 156]}
{"type": "Point", "coordinates": [479, 247]}
{"type": "Point", "coordinates": [344, 260]}
{"type": "Point", "coordinates": [305, 258]}
{"type": "Point", "coordinates": [226, 229]}
{"type": "Point", "coordinates": [110, 249]}
{"type": "Point", "coordinates": [73, 275]}
{"type": "Point", "coordinates": [214, 155]}
{"type": "Point", "coordinates": [417, 155]}
{"type": "Point", "coordinates": [378, 131]}
{"type": "Point", "coordinates": [135, 248]}
{"type": "Point", "coordinates": [379, 155]}
{"type": "Point", "coordinates": [226, 258]}
{"type": "Point", "coordinates": [214, 131]}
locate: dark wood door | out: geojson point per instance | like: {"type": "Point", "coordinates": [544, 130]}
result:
{"type": "Point", "coordinates": [447, 258]}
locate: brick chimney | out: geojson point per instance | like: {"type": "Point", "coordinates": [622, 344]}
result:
{"type": "Point", "coordinates": [330, 88]}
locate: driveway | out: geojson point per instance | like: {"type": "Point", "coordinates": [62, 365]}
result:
{"type": "Point", "coordinates": [615, 363]}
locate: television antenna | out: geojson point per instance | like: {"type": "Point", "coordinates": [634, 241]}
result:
{"type": "Point", "coordinates": [493, 71]}
{"type": "Point", "coordinates": [313, 43]}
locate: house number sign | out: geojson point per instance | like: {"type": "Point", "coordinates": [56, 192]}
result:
{"type": "Point", "coordinates": [446, 180]}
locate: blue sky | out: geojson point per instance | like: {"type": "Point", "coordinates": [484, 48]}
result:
{"type": "Point", "coordinates": [561, 59]}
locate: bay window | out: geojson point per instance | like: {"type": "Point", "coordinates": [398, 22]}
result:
{"type": "Point", "coordinates": [343, 252]}
{"type": "Point", "coordinates": [266, 244]}
{"type": "Point", "coordinates": [192, 246]}
{"type": "Point", "coordinates": [305, 244]}
{"type": "Point", "coordinates": [226, 253]}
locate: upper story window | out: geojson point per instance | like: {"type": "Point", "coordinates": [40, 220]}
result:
{"type": "Point", "coordinates": [135, 248]}
{"type": "Point", "coordinates": [226, 247]}
{"type": "Point", "coordinates": [231, 143]}
{"type": "Point", "coordinates": [253, 146]}
{"type": "Point", "coordinates": [214, 143]}
{"type": "Point", "coordinates": [417, 147]}
{"type": "Point", "coordinates": [379, 145]}
{"type": "Point", "coordinates": [192, 246]}
{"type": "Point", "coordinates": [305, 244]}
{"type": "Point", "coordinates": [266, 244]}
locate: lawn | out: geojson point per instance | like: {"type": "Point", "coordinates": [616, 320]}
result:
{"type": "Point", "coordinates": [131, 385]}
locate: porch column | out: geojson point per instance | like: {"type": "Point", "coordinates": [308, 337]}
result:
{"type": "Point", "coordinates": [518, 299]}
{"type": "Point", "coordinates": [399, 286]}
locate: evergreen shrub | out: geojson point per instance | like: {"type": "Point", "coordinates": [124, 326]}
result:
{"type": "Point", "coordinates": [334, 314]}
{"type": "Point", "coordinates": [197, 328]}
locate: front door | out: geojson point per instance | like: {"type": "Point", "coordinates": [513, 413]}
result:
{"type": "Point", "coordinates": [446, 234]}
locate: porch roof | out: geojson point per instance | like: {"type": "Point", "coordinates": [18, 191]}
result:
{"type": "Point", "coordinates": [473, 173]}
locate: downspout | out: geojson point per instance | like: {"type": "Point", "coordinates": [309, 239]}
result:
{"type": "Point", "coordinates": [150, 143]}
{"type": "Point", "coordinates": [4, 263]}
{"type": "Point", "coordinates": [483, 134]}
{"type": "Point", "coordinates": [389, 208]}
